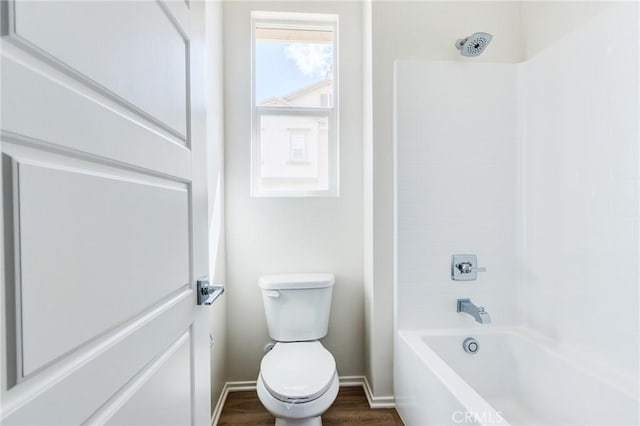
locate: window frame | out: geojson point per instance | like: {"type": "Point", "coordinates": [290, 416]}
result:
{"type": "Point", "coordinates": [303, 21]}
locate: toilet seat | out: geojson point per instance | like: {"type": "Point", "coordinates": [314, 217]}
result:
{"type": "Point", "coordinates": [297, 372]}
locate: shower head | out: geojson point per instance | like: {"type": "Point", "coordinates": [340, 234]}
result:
{"type": "Point", "coordinates": [473, 45]}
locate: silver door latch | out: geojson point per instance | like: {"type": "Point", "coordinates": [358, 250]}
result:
{"type": "Point", "coordinates": [207, 292]}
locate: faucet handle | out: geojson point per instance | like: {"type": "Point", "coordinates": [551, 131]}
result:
{"type": "Point", "coordinates": [463, 267]}
{"type": "Point", "coordinates": [467, 268]}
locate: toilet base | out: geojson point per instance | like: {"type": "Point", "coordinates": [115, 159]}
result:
{"type": "Point", "coordinates": [311, 421]}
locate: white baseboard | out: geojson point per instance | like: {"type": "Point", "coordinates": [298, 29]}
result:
{"type": "Point", "coordinates": [229, 387]}
{"type": "Point", "coordinates": [388, 401]}
{"type": "Point", "coordinates": [374, 401]}
{"type": "Point", "coordinates": [348, 381]}
{"type": "Point", "coordinates": [345, 381]}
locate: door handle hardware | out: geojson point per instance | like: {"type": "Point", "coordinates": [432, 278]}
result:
{"type": "Point", "coordinates": [207, 293]}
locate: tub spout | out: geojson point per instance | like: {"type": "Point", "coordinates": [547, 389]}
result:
{"type": "Point", "coordinates": [477, 312]}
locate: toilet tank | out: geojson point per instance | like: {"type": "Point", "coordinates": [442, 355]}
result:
{"type": "Point", "coordinates": [297, 306]}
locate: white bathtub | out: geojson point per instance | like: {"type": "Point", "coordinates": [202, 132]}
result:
{"type": "Point", "coordinates": [515, 378]}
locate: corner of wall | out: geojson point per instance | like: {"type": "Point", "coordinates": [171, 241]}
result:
{"type": "Point", "coordinates": [367, 163]}
{"type": "Point", "coordinates": [557, 18]}
{"type": "Point", "coordinates": [215, 177]}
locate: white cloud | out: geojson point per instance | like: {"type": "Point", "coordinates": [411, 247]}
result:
{"type": "Point", "coordinates": [312, 59]}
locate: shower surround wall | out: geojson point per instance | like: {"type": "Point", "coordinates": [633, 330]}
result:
{"type": "Point", "coordinates": [580, 161]}
{"type": "Point", "coordinates": [534, 168]}
{"type": "Point", "coordinates": [456, 187]}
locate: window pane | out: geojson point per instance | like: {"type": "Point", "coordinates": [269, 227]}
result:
{"type": "Point", "coordinates": [294, 143]}
{"type": "Point", "coordinates": [294, 153]}
{"type": "Point", "coordinates": [293, 67]}
{"type": "Point", "coordinates": [299, 145]}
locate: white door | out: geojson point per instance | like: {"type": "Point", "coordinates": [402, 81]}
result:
{"type": "Point", "coordinates": [104, 213]}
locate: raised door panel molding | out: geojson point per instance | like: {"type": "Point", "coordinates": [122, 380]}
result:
{"type": "Point", "coordinates": [134, 50]}
{"type": "Point", "coordinates": [178, 10]}
{"type": "Point", "coordinates": [160, 395]}
{"type": "Point", "coordinates": [99, 369]}
{"type": "Point", "coordinates": [105, 246]}
{"type": "Point", "coordinates": [88, 125]}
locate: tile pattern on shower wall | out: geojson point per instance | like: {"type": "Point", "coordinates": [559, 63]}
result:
{"type": "Point", "coordinates": [580, 270]}
{"type": "Point", "coordinates": [455, 189]}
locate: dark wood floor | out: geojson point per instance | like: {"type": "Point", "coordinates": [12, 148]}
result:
{"type": "Point", "coordinates": [350, 408]}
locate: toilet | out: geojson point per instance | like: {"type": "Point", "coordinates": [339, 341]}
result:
{"type": "Point", "coordinates": [298, 380]}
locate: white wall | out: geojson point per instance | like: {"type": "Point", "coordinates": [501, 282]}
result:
{"type": "Point", "coordinates": [279, 235]}
{"type": "Point", "coordinates": [415, 30]}
{"type": "Point", "coordinates": [580, 176]}
{"type": "Point", "coordinates": [545, 22]}
{"type": "Point", "coordinates": [456, 190]}
{"type": "Point", "coordinates": [215, 172]}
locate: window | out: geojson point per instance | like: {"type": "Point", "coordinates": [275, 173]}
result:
{"type": "Point", "coordinates": [325, 99]}
{"type": "Point", "coordinates": [295, 126]}
{"type": "Point", "coordinates": [298, 147]}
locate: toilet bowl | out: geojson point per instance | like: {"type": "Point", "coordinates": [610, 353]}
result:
{"type": "Point", "coordinates": [298, 380]}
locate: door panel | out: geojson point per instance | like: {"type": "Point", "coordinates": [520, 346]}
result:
{"type": "Point", "coordinates": [154, 221]}
{"type": "Point", "coordinates": [104, 213]}
{"type": "Point", "coordinates": [88, 123]}
{"type": "Point", "coordinates": [143, 61]}
{"type": "Point", "coordinates": [99, 369]}
{"type": "Point", "coordinates": [160, 397]}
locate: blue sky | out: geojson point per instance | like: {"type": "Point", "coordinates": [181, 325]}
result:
{"type": "Point", "coordinates": [283, 67]}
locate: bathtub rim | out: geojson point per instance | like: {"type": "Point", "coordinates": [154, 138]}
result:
{"type": "Point", "coordinates": [450, 379]}
{"type": "Point", "coordinates": [626, 386]}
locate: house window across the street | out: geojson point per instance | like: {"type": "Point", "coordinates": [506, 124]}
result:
{"type": "Point", "coordinates": [298, 146]}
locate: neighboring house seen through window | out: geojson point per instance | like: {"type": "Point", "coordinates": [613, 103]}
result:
{"type": "Point", "coordinates": [298, 146]}
{"type": "Point", "coordinates": [295, 130]}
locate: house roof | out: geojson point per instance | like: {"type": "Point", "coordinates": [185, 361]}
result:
{"type": "Point", "coordinates": [286, 100]}
{"type": "Point", "coordinates": [275, 101]}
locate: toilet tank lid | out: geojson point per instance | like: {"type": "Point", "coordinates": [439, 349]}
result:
{"type": "Point", "coordinates": [296, 281]}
